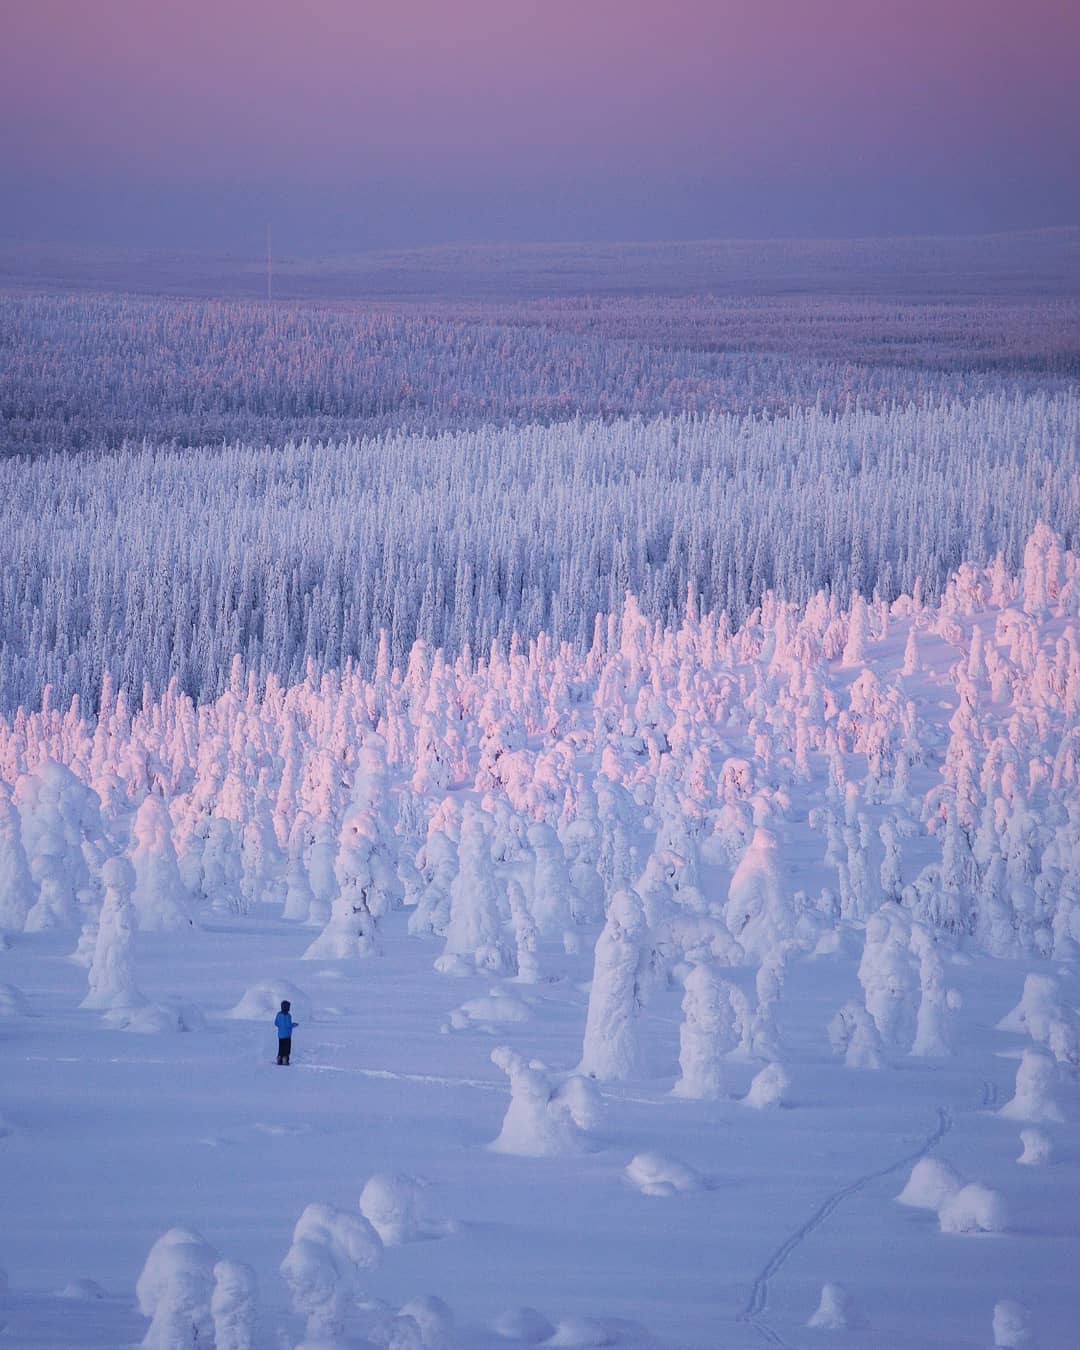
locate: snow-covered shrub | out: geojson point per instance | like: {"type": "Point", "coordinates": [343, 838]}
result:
{"type": "Point", "coordinates": [769, 1088]}
{"type": "Point", "coordinates": [322, 1266]}
{"type": "Point", "coordinates": [852, 1033]}
{"type": "Point", "coordinates": [175, 1289]}
{"type": "Point", "coordinates": [394, 1206]}
{"type": "Point", "coordinates": [1033, 1099]}
{"type": "Point", "coordinates": [234, 1306]}
{"type": "Point", "coordinates": [1038, 1147]}
{"type": "Point", "coordinates": [932, 1184]}
{"type": "Point", "coordinates": [973, 1209]}
{"type": "Point", "coordinates": [1049, 1022]}
{"type": "Point", "coordinates": [543, 1118]}
{"type": "Point", "coordinates": [653, 1174]}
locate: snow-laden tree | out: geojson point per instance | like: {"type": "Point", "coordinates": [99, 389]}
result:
{"type": "Point", "coordinates": [175, 1290]}
{"type": "Point", "coordinates": [366, 872]}
{"type": "Point", "coordinates": [610, 1049]}
{"type": "Point", "coordinates": [330, 1250]}
{"type": "Point", "coordinates": [708, 1033]}
{"type": "Point", "coordinates": [160, 898]}
{"type": "Point", "coordinates": [759, 912]}
{"type": "Point", "coordinates": [60, 822]}
{"type": "Point", "coordinates": [888, 975]}
{"type": "Point", "coordinates": [111, 978]}
{"type": "Point", "coordinates": [476, 932]}
{"type": "Point", "coordinates": [545, 1117]}
{"type": "Point", "coordinates": [935, 1000]}
{"type": "Point", "coordinates": [234, 1306]}
{"type": "Point", "coordinates": [17, 891]}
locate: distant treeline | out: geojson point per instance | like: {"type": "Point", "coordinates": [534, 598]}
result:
{"type": "Point", "coordinates": [92, 372]}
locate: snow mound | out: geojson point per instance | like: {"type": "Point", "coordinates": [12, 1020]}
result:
{"type": "Point", "coordinates": [495, 1008]}
{"type": "Point", "coordinates": [1012, 1326]}
{"type": "Point", "coordinates": [581, 1331]}
{"type": "Point", "coordinates": [932, 1184]}
{"type": "Point", "coordinates": [12, 1002]}
{"type": "Point", "coordinates": [434, 1321]}
{"type": "Point", "coordinates": [394, 1206]}
{"type": "Point", "coordinates": [769, 1088]}
{"type": "Point", "coordinates": [653, 1174]}
{"type": "Point", "coordinates": [1038, 1148]}
{"type": "Point", "coordinates": [82, 1290]}
{"type": "Point", "coordinates": [157, 1018]}
{"type": "Point", "coordinates": [522, 1324]}
{"type": "Point", "coordinates": [262, 1001]}
{"type": "Point", "coordinates": [836, 1311]}
{"type": "Point", "coordinates": [974, 1209]}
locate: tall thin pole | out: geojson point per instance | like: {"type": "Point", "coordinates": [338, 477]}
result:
{"type": "Point", "coordinates": [269, 265]}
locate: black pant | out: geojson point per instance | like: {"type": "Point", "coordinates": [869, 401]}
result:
{"type": "Point", "coordinates": [284, 1049]}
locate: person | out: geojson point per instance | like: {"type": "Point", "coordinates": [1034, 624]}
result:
{"type": "Point", "coordinates": [284, 1023]}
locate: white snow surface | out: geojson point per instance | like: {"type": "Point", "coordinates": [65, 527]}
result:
{"type": "Point", "coordinates": [782, 808]}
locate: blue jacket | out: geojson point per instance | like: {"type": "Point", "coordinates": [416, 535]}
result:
{"type": "Point", "coordinates": [284, 1023]}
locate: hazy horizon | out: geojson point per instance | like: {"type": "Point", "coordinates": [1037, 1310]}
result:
{"type": "Point", "coordinates": [360, 128]}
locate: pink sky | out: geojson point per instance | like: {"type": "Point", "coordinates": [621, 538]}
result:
{"type": "Point", "coordinates": [747, 95]}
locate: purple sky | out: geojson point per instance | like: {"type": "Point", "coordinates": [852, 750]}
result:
{"type": "Point", "coordinates": [360, 123]}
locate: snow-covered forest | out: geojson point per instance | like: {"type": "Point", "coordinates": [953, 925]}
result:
{"type": "Point", "coordinates": [645, 992]}
{"type": "Point", "coordinates": [637, 733]}
{"type": "Point", "coordinates": [149, 563]}
{"type": "Point", "coordinates": [92, 372]}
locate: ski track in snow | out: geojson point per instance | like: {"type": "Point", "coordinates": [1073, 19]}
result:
{"type": "Point", "coordinates": [758, 1301]}
{"type": "Point", "coordinates": [396, 1076]}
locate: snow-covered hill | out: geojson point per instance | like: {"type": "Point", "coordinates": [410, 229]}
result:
{"type": "Point", "coordinates": [633, 987]}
